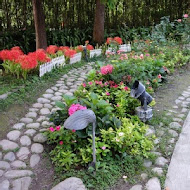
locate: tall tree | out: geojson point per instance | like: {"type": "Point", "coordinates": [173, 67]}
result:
{"type": "Point", "coordinates": [98, 31]}
{"type": "Point", "coordinates": [39, 20]}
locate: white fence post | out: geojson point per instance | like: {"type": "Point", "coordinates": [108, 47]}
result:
{"type": "Point", "coordinates": [76, 58]}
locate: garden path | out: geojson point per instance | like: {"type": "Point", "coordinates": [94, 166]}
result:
{"type": "Point", "coordinates": [21, 151]}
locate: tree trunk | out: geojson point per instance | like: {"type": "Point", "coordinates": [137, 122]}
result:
{"type": "Point", "coordinates": [39, 20]}
{"type": "Point", "coordinates": [98, 32]}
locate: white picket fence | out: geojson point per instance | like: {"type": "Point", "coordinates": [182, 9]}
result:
{"type": "Point", "coordinates": [47, 67]}
{"type": "Point", "coordinates": [95, 52]}
{"type": "Point", "coordinates": [76, 58]}
{"type": "Point", "coordinates": [60, 61]}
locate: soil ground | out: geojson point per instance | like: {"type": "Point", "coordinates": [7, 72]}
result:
{"type": "Point", "coordinates": [44, 178]}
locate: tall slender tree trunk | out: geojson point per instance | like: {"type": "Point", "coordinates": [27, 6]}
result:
{"type": "Point", "coordinates": [39, 20]}
{"type": "Point", "coordinates": [98, 32]}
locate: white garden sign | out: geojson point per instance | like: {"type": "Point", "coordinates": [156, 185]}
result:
{"type": "Point", "coordinates": [47, 67]}
{"type": "Point", "coordinates": [95, 52]}
{"type": "Point", "coordinates": [76, 58]}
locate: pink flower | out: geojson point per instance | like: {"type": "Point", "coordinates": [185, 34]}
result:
{"type": "Point", "coordinates": [84, 85]}
{"type": "Point", "coordinates": [126, 88]}
{"type": "Point", "coordinates": [148, 82]}
{"type": "Point", "coordinates": [103, 148]}
{"type": "Point", "coordinates": [75, 107]}
{"type": "Point", "coordinates": [106, 69]}
{"type": "Point", "coordinates": [147, 54]}
{"type": "Point", "coordinates": [185, 16]}
{"type": "Point", "coordinates": [178, 20]}
{"type": "Point", "coordinates": [117, 105]}
{"type": "Point", "coordinates": [90, 83]}
{"type": "Point", "coordinates": [107, 93]}
{"type": "Point", "coordinates": [141, 56]}
{"type": "Point", "coordinates": [61, 142]}
{"type": "Point", "coordinates": [58, 128]}
{"type": "Point", "coordinates": [73, 130]}
{"type": "Point", "coordinates": [159, 76]}
{"type": "Point", "coordinates": [51, 129]}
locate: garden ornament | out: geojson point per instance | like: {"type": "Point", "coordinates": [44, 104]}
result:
{"type": "Point", "coordinates": [80, 120]}
{"type": "Point", "coordinates": [138, 91]}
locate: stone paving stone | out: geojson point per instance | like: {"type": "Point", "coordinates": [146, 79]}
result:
{"type": "Point", "coordinates": [69, 94]}
{"type": "Point", "coordinates": [136, 187]}
{"type": "Point", "coordinates": [58, 85]}
{"type": "Point", "coordinates": [173, 133]}
{"type": "Point", "coordinates": [48, 96]}
{"type": "Point", "coordinates": [147, 163]}
{"type": "Point", "coordinates": [25, 141]}
{"type": "Point", "coordinates": [23, 153]}
{"type": "Point", "coordinates": [33, 125]}
{"type": "Point", "coordinates": [43, 129]}
{"type": "Point", "coordinates": [22, 183]}
{"type": "Point", "coordinates": [177, 101]}
{"type": "Point", "coordinates": [41, 118]}
{"type": "Point", "coordinates": [4, 185]}
{"type": "Point", "coordinates": [56, 98]}
{"type": "Point", "coordinates": [37, 148]}
{"type": "Point", "coordinates": [44, 111]}
{"type": "Point", "coordinates": [58, 94]}
{"type": "Point", "coordinates": [54, 88]}
{"type": "Point", "coordinates": [71, 183]}
{"type": "Point", "coordinates": [178, 120]}
{"type": "Point", "coordinates": [60, 82]}
{"type": "Point", "coordinates": [43, 100]}
{"type": "Point", "coordinates": [3, 96]}
{"type": "Point", "coordinates": [161, 161]}
{"type": "Point", "coordinates": [48, 106]}
{"type": "Point", "coordinates": [11, 174]}
{"type": "Point", "coordinates": [153, 184]}
{"type": "Point", "coordinates": [31, 114]}
{"type": "Point", "coordinates": [184, 110]}
{"type": "Point", "coordinates": [13, 135]}
{"type": "Point", "coordinates": [181, 98]}
{"type": "Point", "coordinates": [18, 126]}
{"type": "Point", "coordinates": [34, 160]}
{"type": "Point", "coordinates": [4, 165]}
{"type": "Point", "coordinates": [33, 109]}
{"type": "Point", "coordinates": [49, 91]}
{"type": "Point", "coordinates": [8, 145]}
{"type": "Point", "coordinates": [10, 156]}
{"type": "Point", "coordinates": [18, 164]}
{"type": "Point", "coordinates": [40, 138]}
{"type": "Point", "coordinates": [46, 124]}
{"type": "Point", "coordinates": [175, 107]}
{"type": "Point", "coordinates": [37, 105]}
{"type": "Point", "coordinates": [30, 132]}
{"type": "Point", "coordinates": [158, 171]}
{"type": "Point", "coordinates": [175, 125]}
{"type": "Point", "coordinates": [63, 91]}
{"type": "Point", "coordinates": [26, 120]}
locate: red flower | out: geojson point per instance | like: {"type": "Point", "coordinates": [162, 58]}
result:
{"type": "Point", "coordinates": [126, 88]}
{"type": "Point", "coordinates": [159, 76]}
{"type": "Point", "coordinates": [118, 40]}
{"type": "Point", "coordinates": [79, 48]}
{"type": "Point", "coordinates": [73, 131]}
{"type": "Point", "coordinates": [27, 61]}
{"type": "Point", "coordinates": [5, 54]}
{"type": "Point", "coordinates": [61, 142]}
{"type": "Point", "coordinates": [70, 53]}
{"type": "Point", "coordinates": [63, 48]}
{"type": "Point", "coordinates": [109, 40]}
{"type": "Point", "coordinates": [52, 49]}
{"type": "Point", "coordinates": [89, 47]}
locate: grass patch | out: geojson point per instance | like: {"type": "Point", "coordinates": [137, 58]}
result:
{"type": "Point", "coordinates": [27, 91]}
{"type": "Point", "coordinates": [107, 172]}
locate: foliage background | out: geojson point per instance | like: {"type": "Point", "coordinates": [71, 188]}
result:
{"type": "Point", "coordinates": [70, 22]}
